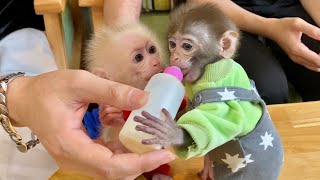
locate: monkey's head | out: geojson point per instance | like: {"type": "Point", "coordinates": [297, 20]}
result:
{"type": "Point", "coordinates": [198, 35]}
{"type": "Point", "coordinates": [129, 54]}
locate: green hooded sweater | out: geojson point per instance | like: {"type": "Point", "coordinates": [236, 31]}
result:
{"type": "Point", "coordinates": [212, 124]}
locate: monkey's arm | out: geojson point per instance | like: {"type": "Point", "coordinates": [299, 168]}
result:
{"type": "Point", "coordinates": [312, 7]}
{"type": "Point", "coordinates": [211, 125]}
{"type": "Point", "coordinates": [202, 129]}
{"type": "Point", "coordinates": [121, 12]}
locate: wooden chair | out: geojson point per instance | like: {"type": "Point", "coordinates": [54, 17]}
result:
{"type": "Point", "coordinates": [58, 27]}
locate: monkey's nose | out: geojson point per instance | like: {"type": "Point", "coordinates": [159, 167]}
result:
{"type": "Point", "coordinates": [175, 58]}
{"type": "Point", "coordinates": [156, 64]}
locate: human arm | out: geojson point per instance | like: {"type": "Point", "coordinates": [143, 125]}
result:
{"type": "Point", "coordinates": [286, 32]}
{"type": "Point", "coordinates": [312, 7]}
{"type": "Point", "coordinates": [121, 12]}
{"type": "Point", "coordinates": [52, 105]}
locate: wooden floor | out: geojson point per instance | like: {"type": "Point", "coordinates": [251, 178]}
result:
{"type": "Point", "coordinates": [299, 128]}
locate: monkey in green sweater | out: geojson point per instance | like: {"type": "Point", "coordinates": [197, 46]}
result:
{"type": "Point", "coordinates": [226, 120]}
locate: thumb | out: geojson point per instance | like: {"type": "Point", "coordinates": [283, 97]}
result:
{"type": "Point", "coordinates": [138, 164]}
{"type": "Point", "coordinates": [93, 89]}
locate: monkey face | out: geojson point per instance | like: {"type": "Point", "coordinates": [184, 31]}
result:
{"type": "Point", "coordinates": [145, 60]}
{"type": "Point", "coordinates": [182, 50]}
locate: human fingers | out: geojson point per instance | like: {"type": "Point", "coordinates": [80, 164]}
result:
{"type": "Point", "coordinates": [307, 28]}
{"type": "Point", "coordinates": [104, 91]}
{"type": "Point", "coordinates": [307, 57]}
{"type": "Point", "coordinates": [98, 161]}
{"type": "Point", "coordinates": [141, 163]}
{"type": "Point", "coordinates": [116, 147]}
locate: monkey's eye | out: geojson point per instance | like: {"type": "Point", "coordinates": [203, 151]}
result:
{"type": "Point", "coordinates": [152, 49]}
{"type": "Point", "coordinates": [172, 44]}
{"type": "Point", "coordinates": [187, 46]}
{"type": "Point", "coordinates": [138, 57]}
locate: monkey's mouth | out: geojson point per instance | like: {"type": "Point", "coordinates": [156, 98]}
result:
{"type": "Point", "coordinates": [185, 71]}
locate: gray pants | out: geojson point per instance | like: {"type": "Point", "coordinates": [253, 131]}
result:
{"type": "Point", "coordinates": [257, 155]}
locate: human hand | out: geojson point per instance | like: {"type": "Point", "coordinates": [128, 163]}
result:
{"type": "Point", "coordinates": [166, 132]}
{"type": "Point", "coordinates": [287, 33]}
{"type": "Point", "coordinates": [53, 105]}
{"type": "Point", "coordinates": [111, 116]}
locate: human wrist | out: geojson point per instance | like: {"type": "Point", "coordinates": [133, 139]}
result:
{"type": "Point", "coordinates": [15, 93]}
{"type": "Point", "coordinates": [8, 86]}
{"type": "Point", "coordinates": [270, 28]}
{"type": "Point", "coordinates": [262, 26]}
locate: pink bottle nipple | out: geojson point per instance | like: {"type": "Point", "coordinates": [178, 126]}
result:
{"type": "Point", "coordinates": [174, 71]}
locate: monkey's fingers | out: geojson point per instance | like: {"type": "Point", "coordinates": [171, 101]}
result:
{"type": "Point", "coordinates": [108, 110]}
{"type": "Point", "coordinates": [150, 124]}
{"type": "Point", "coordinates": [151, 117]}
{"type": "Point", "coordinates": [151, 141]}
{"type": "Point", "coordinates": [168, 116]}
{"type": "Point", "coordinates": [111, 109]}
{"type": "Point", "coordinates": [152, 131]}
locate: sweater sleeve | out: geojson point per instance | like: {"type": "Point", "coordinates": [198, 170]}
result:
{"type": "Point", "coordinates": [211, 125]}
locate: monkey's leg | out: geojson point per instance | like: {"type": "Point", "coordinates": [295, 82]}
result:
{"type": "Point", "coordinates": [207, 171]}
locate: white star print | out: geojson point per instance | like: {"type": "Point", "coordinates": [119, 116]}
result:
{"type": "Point", "coordinates": [247, 159]}
{"type": "Point", "coordinates": [227, 95]}
{"type": "Point", "coordinates": [234, 162]}
{"type": "Point", "coordinates": [267, 140]}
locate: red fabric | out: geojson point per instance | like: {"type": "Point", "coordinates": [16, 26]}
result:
{"type": "Point", "coordinates": [165, 168]}
{"type": "Point", "coordinates": [125, 114]}
{"type": "Point", "coordinates": [183, 104]}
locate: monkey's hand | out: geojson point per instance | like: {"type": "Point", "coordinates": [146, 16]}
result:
{"type": "Point", "coordinates": [166, 132]}
{"type": "Point", "coordinates": [111, 116]}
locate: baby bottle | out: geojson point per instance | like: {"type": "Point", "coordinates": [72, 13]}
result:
{"type": "Point", "coordinates": [165, 91]}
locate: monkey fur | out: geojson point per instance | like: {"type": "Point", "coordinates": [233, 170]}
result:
{"type": "Point", "coordinates": [130, 54]}
{"type": "Point", "coordinates": [202, 41]}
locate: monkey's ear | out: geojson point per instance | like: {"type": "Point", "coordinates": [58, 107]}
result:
{"type": "Point", "coordinates": [228, 43]}
{"type": "Point", "coordinates": [100, 72]}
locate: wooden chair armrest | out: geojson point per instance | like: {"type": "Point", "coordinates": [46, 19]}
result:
{"type": "Point", "coordinates": [49, 6]}
{"type": "Point", "coordinates": [91, 3]}
{"type": "Point", "coordinates": [58, 27]}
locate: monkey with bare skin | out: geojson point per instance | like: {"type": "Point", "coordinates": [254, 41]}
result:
{"type": "Point", "coordinates": [226, 120]}
{"type": "Point", "coordinates": [129, 54]}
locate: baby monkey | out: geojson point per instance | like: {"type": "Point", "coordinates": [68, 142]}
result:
{"type": "Point", "coordinates": [226, 120]}
{"type": "Point", "coordinates": [129, 54]}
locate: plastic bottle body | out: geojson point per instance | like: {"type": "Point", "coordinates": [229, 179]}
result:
{"type": "Point", "coordinates": [167, 92]}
